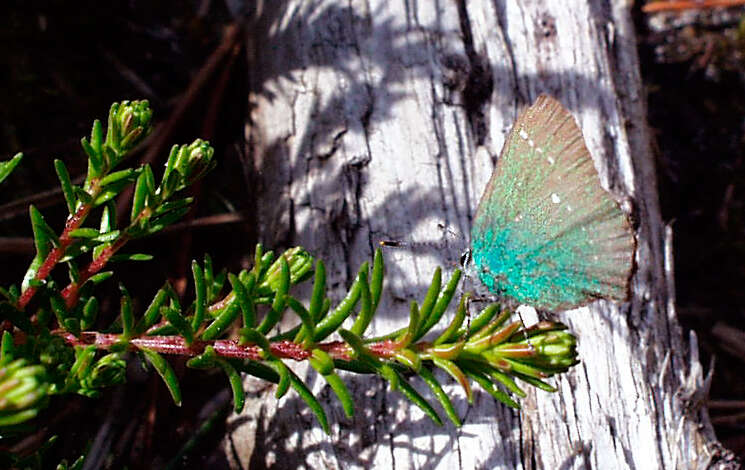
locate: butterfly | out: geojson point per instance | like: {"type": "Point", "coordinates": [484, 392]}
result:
{"type": "Point", "coordinates": [545, 232]}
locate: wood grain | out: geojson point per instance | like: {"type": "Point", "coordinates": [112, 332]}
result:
{"type": "Point", "coordinates": [382, 120]}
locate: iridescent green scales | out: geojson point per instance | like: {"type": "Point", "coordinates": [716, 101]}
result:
{"type": "Point", "coordinates": [546, 233]}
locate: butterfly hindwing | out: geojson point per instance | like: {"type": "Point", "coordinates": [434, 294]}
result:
{"type": "Point", "coordinates": [545, 232]}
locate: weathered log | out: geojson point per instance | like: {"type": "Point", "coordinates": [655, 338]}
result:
{"type": "Point", "coordinates": [383, 120]}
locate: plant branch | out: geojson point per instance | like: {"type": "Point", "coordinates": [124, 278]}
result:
{"type": "Point", "coordinates": [176, 345]}
{"type": "Point", "coordinates": [57, 351]}
{"type": "Point", "coordinates": [65, 240]}
{"type": "Point", "coordinates": [71, 293]}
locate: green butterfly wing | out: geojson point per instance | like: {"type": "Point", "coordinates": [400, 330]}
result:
{"type": "Point", "coordinates": [545, 232]}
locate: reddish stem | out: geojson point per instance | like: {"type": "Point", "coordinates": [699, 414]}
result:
{"type": "Point", "coordinates": [385, 348]}
{"type": "Point", "coordinates": [72, 291]}
{"type": "Point", "coordinates": [56, 254]}
{"type": "Point", "coordinates": [652, 7]}
{"type": "Point", "coordinates": [223, 347]}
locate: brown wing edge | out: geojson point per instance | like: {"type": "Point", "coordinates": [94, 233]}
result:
{"type": "Point", "coordinates": [559, 111]}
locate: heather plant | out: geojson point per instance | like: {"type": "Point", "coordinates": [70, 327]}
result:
{"type": "Point", "coordinates": [53, 342]}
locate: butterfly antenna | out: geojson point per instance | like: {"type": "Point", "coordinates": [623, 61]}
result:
{"type": "Point", "coordinates": [467, 295]}
{"type": "Point", "coordinates": [423, 246]}
{"type": "Point", "coordinates": [448, 235]}
{"type": "Point", "coordinates": [524, 329]}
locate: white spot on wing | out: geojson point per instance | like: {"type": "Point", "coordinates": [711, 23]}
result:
{"type": "Point", "coordinates": [555, 198]}
{"type": "Point", "coordinates": [523, 134]}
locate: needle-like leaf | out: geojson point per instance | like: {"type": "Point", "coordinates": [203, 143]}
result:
{"type": "Point", "coordinates": [166, 372]}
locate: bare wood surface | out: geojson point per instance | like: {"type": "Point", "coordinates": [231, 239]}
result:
{"type": "Point", "coordinates": [383, 120]}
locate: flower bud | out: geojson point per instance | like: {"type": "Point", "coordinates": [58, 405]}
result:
{"type": "Point", "coordinates": [129, 123]}
{"type": "Point", "coordinates": [300, 263]}
{"type": "Point", "coordinates": [23, 390]}
{"type": "Point", "coordinates": [193, 160]}
{"type": "Point", "coordinates": [109, 370]}
{"type": "Point", "coordinates": [556, 350]}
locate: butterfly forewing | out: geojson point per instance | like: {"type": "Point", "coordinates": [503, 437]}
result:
{"type": "Point", "coordinates": [546, 233]}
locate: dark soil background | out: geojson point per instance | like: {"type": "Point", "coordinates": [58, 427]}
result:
{"type": "Point", "coordinates": [693, 65]}
{"type": "Point", "coordinates": [60, 69]}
